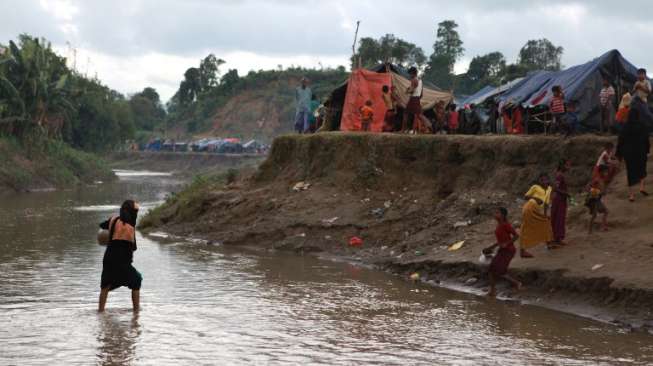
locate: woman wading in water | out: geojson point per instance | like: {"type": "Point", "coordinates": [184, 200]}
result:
{"type": "Point", "coordinates": [117, 269]}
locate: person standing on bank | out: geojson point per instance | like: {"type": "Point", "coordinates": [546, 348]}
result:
{"type": "Point", "coordinates": [536, 224]}
{"type": "Point", "coordinates": [559, 201]}
{"type": "Point", "coordinates": [117, 269]}
{"type": "Point", "coordinates": [413, 117]}
{"type": "Point", "coordinates": [633, 148]}
{"type": "Point", "coordinates": [606, 101]}
{"type": "Point", "coordinates": [303, 95]}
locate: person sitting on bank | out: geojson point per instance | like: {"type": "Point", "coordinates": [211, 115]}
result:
{"type": "Point", "coordinates": [117, 268]}
{"type": "Point", "coordinates": [506, 237]}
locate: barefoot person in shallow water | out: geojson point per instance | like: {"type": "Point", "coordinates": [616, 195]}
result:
{"type": "Point", "coordinates": [117, 269]}
{"type": "Point", "coordinates": [506, 237]}
{"type": "Point", "coordinates": [536, 224]}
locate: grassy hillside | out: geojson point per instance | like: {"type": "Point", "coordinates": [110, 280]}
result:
{"type": "Point", "coordinates": [49, 164]}
{"type": "Point", "coordinates": [259, 105]}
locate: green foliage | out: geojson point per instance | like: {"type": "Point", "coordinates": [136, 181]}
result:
{"type": "Point", "coordinates": [448, 42]}
{"type": "Point", "coordinates": [190, 202]}
{"type": "Point", "coordinates": [447, 49]}
{"type": "Point", "coordinates": [268, 85]}
{"type": "Point", "coordinates": [388, 49]}
{"type": "Point", "coordinates": [483, 70]}
{"type": "Point", "coordinates": [47, 162]}
{"type": "Point", "coordinates": [540, 54]}
{"type": "Point", "coordinates": [40, 95]}
{"type": "Point", "coordinates": [147, 111]}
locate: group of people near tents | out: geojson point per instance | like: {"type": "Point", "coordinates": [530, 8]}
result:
{"type": "Point", "coordinates": [544, 214]}
{"type": "Point", "coordinates": [593, 96]}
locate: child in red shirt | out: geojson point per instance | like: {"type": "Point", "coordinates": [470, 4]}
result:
{"type": "Point", "coordinates": [367, 115]}
{"type": "Point", "coordinates": [595, 198]}
{"type": "Point", "coordinates": [506, 237]}
{"type": "Point", "coordinates": [452, 119]}
{"type": "Point", "coordinates": [557, 107]}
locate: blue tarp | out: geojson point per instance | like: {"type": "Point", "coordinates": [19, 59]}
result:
{"type": "Point", "coordinates": [581, 84]}
{"type": "Point", "coordinates": [489, 91]}
{"type": "Point", "coordinates": [470, 99]}
{"type": "Point", "coordinates": [524, 89]}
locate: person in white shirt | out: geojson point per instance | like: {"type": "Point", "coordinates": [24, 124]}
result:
{"type": "Point", "coordinates": [642, 87]}
{"type": "Point", "coordinates": [606, 101]}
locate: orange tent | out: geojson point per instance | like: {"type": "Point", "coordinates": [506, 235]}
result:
{"type": "Point", "coordinates": [364, 85]}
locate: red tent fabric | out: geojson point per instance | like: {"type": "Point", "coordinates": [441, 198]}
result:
{"type": "Point", "coordinates": [364, 85]}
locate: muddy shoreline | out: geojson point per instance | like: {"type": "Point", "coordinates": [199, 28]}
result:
{"type": "Point", "coordinates": [410, 197]}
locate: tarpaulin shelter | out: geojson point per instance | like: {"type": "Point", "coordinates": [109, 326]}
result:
{"type": "Point", "coordinates": [580, 84]}
{"type": "Point", "coordinates": [488, 92]}
{"type": "Point", "coordinates": [366, 84]}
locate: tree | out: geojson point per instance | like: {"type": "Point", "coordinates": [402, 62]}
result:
{"type": "Point", "coordinates": [190, 87]}
{"type": "Point", "coordinates": [229, 81]}
{"type": "Point", "coordinates": [448, 42]}
{"type": "Point", "coordinates": [151, 94]}
{"type": "Point", "coordinates": [209, 72]}
{"type": "Point", "coordinates": [33, 83]}
{"type": "Point", "coordinates": [540, 54]}
{"type": "Point", "coordinates": [486, 69]}
{"type": "Point", "coordinates": [388, 49]}
{"type": "Point", "coordinates": [147, 110]}
{"type": "Point", "coordinates": [447, 49]}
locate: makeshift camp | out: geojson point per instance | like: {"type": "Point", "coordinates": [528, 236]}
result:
{"type": "Point", "coordinates": [364, 85]}
{"type": "Point", "coordinates": [488, 92]}
{"type": "Point", "coordinates": [252, 146]}
{"type": "Point", "coordinates": [580, 84]}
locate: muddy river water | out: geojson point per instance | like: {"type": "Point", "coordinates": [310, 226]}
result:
{"type": "Point", "coordinates": [212, 305]}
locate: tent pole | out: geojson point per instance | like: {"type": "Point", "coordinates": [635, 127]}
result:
{"type": "Point", "coordinates": [353, 46]}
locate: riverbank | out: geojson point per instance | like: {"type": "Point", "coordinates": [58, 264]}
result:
{"type": "Point", "coordinates": [183, 163]}
{"type": "Point", "coordinates": [51, 165]}
{"type": "Point", "coordinates": [410, 197]}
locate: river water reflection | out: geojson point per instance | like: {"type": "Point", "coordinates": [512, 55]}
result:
{"type": "Point", "coordinates": [212, 305]}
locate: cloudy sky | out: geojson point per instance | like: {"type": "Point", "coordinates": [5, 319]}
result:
{"type": "Point", "coordinates": [131, 44]}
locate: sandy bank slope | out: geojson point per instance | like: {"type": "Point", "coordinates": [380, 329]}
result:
{"type": "Point", "coordinates": [409, 197]}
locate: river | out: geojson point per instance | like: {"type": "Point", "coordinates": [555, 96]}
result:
{"type": "Point", "coordinates": [206, 304]}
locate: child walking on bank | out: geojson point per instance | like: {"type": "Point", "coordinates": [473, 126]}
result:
{"type": "Point", "coordinates": [506, 237]}
{"type": "Point", "coordinates": [367, 115]}
{"type": "Point", "coordinates": [595, 202]}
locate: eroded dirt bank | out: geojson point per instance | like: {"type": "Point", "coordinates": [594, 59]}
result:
{"type": "Point", "coordinates": [410, 197]}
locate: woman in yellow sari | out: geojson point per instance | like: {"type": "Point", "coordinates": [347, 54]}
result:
{"type": "Point", "coordinates": [536, 224]}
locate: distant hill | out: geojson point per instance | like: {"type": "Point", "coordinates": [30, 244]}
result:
{"type": "Point", "coordinates": [259, 105]}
